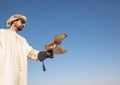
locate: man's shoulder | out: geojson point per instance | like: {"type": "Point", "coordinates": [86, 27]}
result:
{"type": "Point", "coordinates": [22, 38]}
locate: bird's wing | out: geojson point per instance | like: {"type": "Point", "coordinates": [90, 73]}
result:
{"type": "Point", "coordinates": [59, 50]}
{"type": "Point", "coordinates": [58, 38]}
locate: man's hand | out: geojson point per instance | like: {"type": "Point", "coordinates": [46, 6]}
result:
{"type": "Point", "coordinates": [42, 55]}
{"type": "Point", "coordinates": [50, 53]}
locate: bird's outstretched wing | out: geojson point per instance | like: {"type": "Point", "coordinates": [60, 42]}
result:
{"type": "Point", "coordinates": [58, 38]}
{"type": "Point", "coordinates": [59, 50]}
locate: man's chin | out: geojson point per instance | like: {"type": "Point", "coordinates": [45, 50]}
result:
{"type": "Point", "coordinates": [20, 29]}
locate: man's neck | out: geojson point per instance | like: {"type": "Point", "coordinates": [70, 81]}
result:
{"type": "Point", "coordinates": [13, 29]}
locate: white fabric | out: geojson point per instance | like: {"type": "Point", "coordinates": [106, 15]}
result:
{"type": "Point", "coordinates": [14, 51]}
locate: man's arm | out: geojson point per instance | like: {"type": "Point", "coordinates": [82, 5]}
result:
{"type": "Point", "coordinates": [40, 55]}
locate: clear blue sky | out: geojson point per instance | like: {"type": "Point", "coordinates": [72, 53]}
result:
{"type": "Point", "coordinates": [93, 42]}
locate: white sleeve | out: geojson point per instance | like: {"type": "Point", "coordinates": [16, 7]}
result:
{"type": "Point", "coordinates": [31, 53]}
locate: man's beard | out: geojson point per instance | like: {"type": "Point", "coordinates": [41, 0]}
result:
{"type": "Point", "coordinates": [19, 28]}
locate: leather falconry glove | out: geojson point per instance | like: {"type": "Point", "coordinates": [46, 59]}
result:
{"type": "Point", "coordinates": [42, 55]}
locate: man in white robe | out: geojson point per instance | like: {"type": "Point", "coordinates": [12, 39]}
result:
{"type": "Point", "coordinates": [14, 51]}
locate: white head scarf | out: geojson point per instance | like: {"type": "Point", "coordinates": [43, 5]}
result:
{"type": "Point", "coordinates": [16, 17]}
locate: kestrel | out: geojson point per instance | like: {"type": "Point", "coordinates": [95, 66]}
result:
{"type": "Point", "coordinates": [54, 44]}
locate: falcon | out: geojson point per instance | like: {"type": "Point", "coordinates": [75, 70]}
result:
{"type": "Point", "coordinates": [55, 44]}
